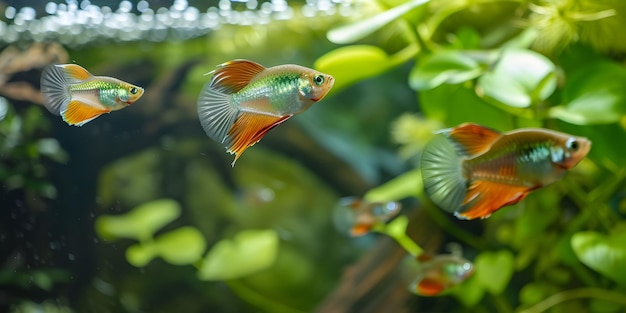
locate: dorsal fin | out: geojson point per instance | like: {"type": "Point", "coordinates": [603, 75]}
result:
{"type": "Point", "coordinates": [473, 139]}
{"type": "Point", "coordinates": [75, 73]}
{"type": "Point", "coordinates": [232, 76]}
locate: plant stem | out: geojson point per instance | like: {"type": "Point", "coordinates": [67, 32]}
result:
{"type": "Point", "coordinates": [568, 295]}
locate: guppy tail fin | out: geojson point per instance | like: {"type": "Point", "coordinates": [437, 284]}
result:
{"type": "Point", "coordinates": [55, 89]}
{"type": "Point", "coordinates": [225, 122]}
{"type": "Point", "coordinates": [442, 173]}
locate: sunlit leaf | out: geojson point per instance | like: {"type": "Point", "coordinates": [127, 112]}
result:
{"type": "Point", "coordinates": [140, 254]}
{"type": "Point", "coordinates": [594, 95]}
{"type": "Point", "coordinates": [604, 254]}
{"type": "Point", "coordinates": [249, 252]}
{"type": "Point", "coordinates": [358, 30]}
{"type": "Point", "coordinates": [353, 63]}
{"type": "Point", "coordinates": [494, 270]}
{"type": "Point", "coordinates": [182, 246]}
{"type": "Point", "coordinates": [450, 66]}
{"type": "Point", "coordinates": [520, 78]}
{"type": "Point", "coordinates": [140, 223]}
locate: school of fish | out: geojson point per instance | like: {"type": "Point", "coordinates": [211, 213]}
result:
{"type": "Point", "coordinates": [469, 170]}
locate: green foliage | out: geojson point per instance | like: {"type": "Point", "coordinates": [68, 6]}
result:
{"type": "Point", "coordinates": [22, 151]}
{"type": "Point", "coordinates": [248, 252]}
{"type": "Point", "coordinates": [181, 246]}
{"type": "Point", "coordinates": [605, 254]}
{"type": "Point", "coordinates": [546, 71]}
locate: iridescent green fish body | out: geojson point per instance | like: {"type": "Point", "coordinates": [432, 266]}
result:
{"type": "Point", "coordinates": [473, 171]}
{"type": "Point", "coordinates": [79, 97]}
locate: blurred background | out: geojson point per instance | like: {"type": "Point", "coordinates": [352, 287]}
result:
{"type": "Point", "coordinates": [139, 211]}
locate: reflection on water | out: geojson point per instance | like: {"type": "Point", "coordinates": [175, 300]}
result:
{"type": "Point", "coordinates": [76, 22]}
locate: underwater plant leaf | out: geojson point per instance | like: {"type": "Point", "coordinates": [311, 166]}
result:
{"type": "Point", "coordinates": [360, 29]}
{"type": "Point", "coordinates": [519, 79]}
{"type": "Point", "coordinates": [604, 254]}
{"type": "Point", "coordinates": [248, 252]}
{"type": "Point", "coordinates": [456, 104]}
{"type": "Point", "coordinates": [470, 292]}
{"type": "Point", "coordinates": [181, 246]}
{"type": "Point", "coordinates": [140, 223]}
{"type": "Point", "coordinates": [450, 66]}
{"type": "Point", "coordinates": [140, 254]}
{"type": "Point", "coordinates": [594, 95]}
{"type": "Point", "coordinates": [494, 270]}
{"type": "Point", "coordinates": [351, 64]}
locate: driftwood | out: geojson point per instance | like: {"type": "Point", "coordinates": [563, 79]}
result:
{"type": "Point", "coordinates": [375, 283]}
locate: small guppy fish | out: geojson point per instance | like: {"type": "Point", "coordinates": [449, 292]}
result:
{"type": "Point", "coordinates": [439, 273]}
{"type": "Point", "coordinates": [357, 217]}
{"type": "Point", "coordinates": [71, 91]}
{"type": "Point", "coordinates": [244, 100]}
{"type": "Point", "coordinates": [472, 170]}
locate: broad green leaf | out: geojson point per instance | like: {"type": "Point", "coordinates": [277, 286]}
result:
{"type": "Point", "coordinates": [449, 66]}
{"type": "Point", "coordinates": [456, 104]}
{"type": "Point", "coordinates": [351, 64]}
{"type": "Point", "coordinates": [494, 270]}
{"type": "Point", "coordinates": [182, 246]}
{"type": "Point", "coordinates": [360, 29]}
{"type": "Point", "coordinates": [519, 79]}
{"type": "Point", "coordinates": [140, 223]}
{"type": "Point", "coordinates": [470, 292]}
{"type": "Point", "coordinates": [594, 95]}
{"type": "Point", "coordinates": [249, 252]}
{"type": "Point", "coordinates": [140, 254]}
{"type": "Point", "coordinates": [406, 185]}
{"type": "Point", "coordinates": [604, 254]}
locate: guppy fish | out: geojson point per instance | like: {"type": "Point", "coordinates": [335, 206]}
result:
{"type": "Point", "coordinates": [357, 216]}
{"type": "Point", "coordinates": [472, 170]}
{"type": "Point", "coordinates": [71, 91]}
{"type": "Point", "coordinates": [244, 100]}
{"type": "Point", "coordinates": [439, 273]}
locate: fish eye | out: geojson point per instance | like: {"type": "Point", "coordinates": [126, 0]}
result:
{"type": "Point", "coordinates": [318, 79]}
{"type": "Point", "coordinates": [133, 90]}
{"type": "Point", "coordinates": [572, 144]}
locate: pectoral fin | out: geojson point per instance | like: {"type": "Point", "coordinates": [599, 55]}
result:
{"type": "Point", "coordinates": [248, 129]}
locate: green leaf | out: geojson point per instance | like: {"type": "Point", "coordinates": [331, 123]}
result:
{"type": "Point", "coordinates": [353, 63]}
{"type": "Point", "coordinates": [594, 95]}
{"type": "Point", "coordinates": [470, 292]}
{"type": "Point", "coordinates": [444, 67]}
{"type": "Point", "coordinates": [249, 252]}
{"type": "Point", "coordinates": [140, 254]}
{"type": "Point", "coordinates": [140, 223]}
{"type": "Point", "coordinates": [456, 104]}
{"type": "Point", "coordinates": [520, 78]}
{"type": "Point", "coordinates": [360, 29]}
{"type": "Point", "coordinates": [182, 246]}
{"type": "Point", "coordinates": [604, 254]}
{"type": "Point", "coordinates": [494, 270]}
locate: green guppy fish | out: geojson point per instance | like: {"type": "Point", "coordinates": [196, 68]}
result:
{"type": "Point", "coordinates": [71, 91]}
{"type": "Point", "coordinates": [245, 100]}
{"type": "Point", "coordinates": [472, 171]}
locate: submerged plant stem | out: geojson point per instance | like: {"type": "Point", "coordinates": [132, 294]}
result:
{"type": "Point", "coordinates": [568, 295]}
